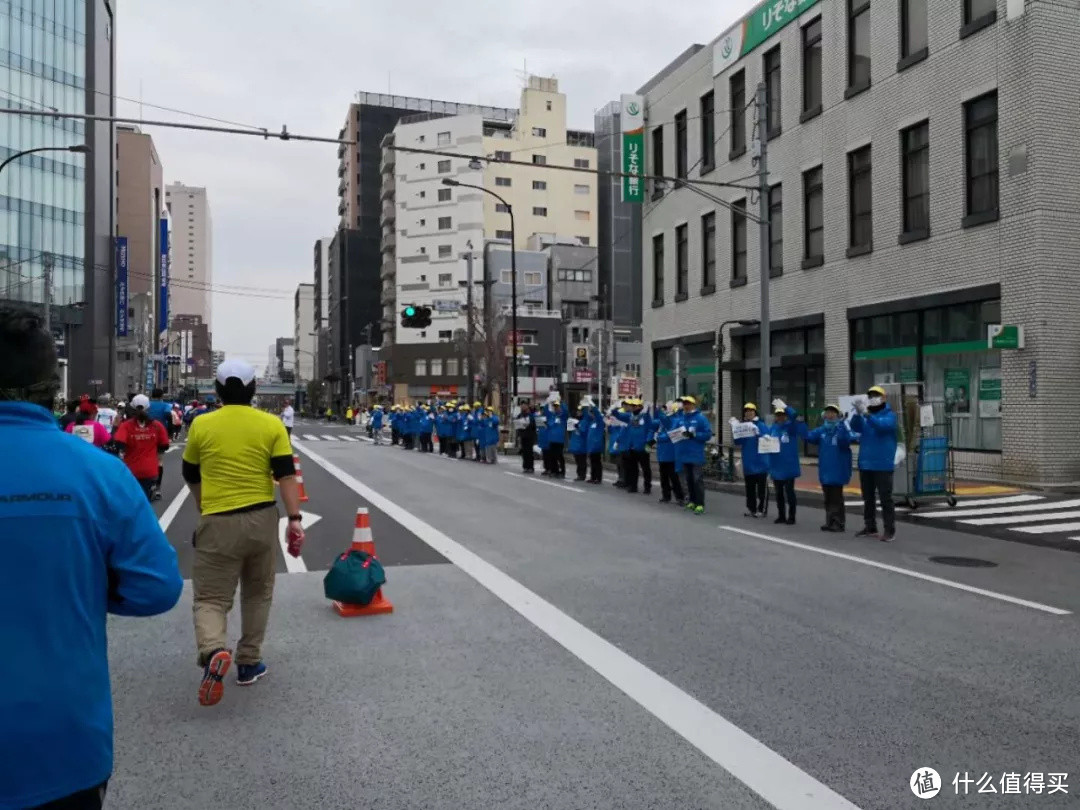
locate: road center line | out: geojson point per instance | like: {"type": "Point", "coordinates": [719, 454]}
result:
{"type": "Point", "coordinates": [546, 483]}
{"type": "Point", "coordinates": [169, 515]}
{"type": "Point", "coordinates": [903, 571]}
{"type": "Point", "coordinates": [781, 783]}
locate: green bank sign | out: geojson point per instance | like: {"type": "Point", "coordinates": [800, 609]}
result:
{"type": "Point", "coordinates": [633, 148]}
{"type": "Point", "coordinates": [755, 28]}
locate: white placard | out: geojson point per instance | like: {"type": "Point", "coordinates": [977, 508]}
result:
{"type": "Point", "coordinates": [571, 424]}
{"type": "Point", "coordinates": [521, 424]}
{"type": "Point", "coordinates": [926, 416]}
{"type": "Point", "coordinates": [848, 403]}
{"type": "Point", "coordinates": [677, 434]}
{"type": "Point", "coordinates": [541, 421]}
{"type": "Point", "coordinates": [743, 430]}
{"type": "Point", "coordinates": [768, 445]}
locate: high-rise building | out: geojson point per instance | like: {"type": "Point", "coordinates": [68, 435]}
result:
{"type": "Point", "coordinates": [59, 205]}
{"type": "Point", "coordinates": [304, 334]}
{"type": "Point", "coordinates": [192, 269]}
{"type": "Point", "coordinates": [321, 278]}
{"type": "Point", "coordinates": [140, 201]}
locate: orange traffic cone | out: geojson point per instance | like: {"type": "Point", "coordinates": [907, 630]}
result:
{"type": "Point", "coordinates": [363, 541]}
{"type": "Point", "coordinates": [300, 479]}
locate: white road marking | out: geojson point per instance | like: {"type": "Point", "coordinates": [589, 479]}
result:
{"type": "Point", "coordinates": [1017, 519]}
{"type": "Point", "coordinates": [1002, 500]}
{"type": "Point", "coordinates": [366, 439]}
{"type": "Point", "coordinates": [173, 447]}
{"type": "Point", "coordinates": [329, 437]}
{"type": "Point", "coordinates": [311, 438]}
{"type": "Point", "coordinates": [779, 782]}
{"type": "Point", "coordinates": [546, 483]}
{"type": "Point", "coordinates": [295, 565]}
{"type": "Point", "coordinates": [904, 571]}
{"type": "Point", "coordinates": [1002, 510]}
{"type": "Point", "coordinates": [1049, 528]}
{"type": "Point", "coordinates": [348, 439]}
{"type": "Point", "coordinates": [859, 504]}
{"type": "Point", "coordinates": [169, 515]}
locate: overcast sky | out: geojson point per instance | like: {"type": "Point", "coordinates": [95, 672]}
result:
{"type": "Point", "coordinates": [271, 62]}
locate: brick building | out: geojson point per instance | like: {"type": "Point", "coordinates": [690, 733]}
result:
{"type": "Point", "coordinates": [925, 184]}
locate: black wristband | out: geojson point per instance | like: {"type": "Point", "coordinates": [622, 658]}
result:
{"type": "Point", "coordinates": [296, 517]}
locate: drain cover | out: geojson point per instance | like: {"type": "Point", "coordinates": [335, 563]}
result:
{"type": "Point", "coordinates": [964, 562]}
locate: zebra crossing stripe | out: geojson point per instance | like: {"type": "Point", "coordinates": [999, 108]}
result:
{"type": "Point", "coordinates": [1049, 528]}
{"type": "Point", "coordinates": [1001, 510]}
{"type": "Point", "coordinates": [347, 438]}
{"type": "Point", "coordinates": [311, 438]}
{"type": "Point", "coordinates": [1015, 519]}
{"type": "Point", "coordinates": [330, 438]}
{"type": "Point", "coordinates": [1001, 501]}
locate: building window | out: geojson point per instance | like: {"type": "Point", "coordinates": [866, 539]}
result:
{"type": "Point", "coordinates": [507, 235]}
{"type": "Point", "coordinates": [539, 211]}
{"type": "Point", "coordinates": [443, 139]}
{"type": "Point", "coordinates": [976, 10]}
{"type": "Point", "coordinates": [680, 144]}
{"type": "Point", "coordinates": [568, 274]}
{"type": "Point", "coordinates": [422, 166]}
{"type": "Point", "coordinates": [914, 37]}
{"type": "Point", "coordinates": [584, 240]}
{"type": "Point", "coordinates": [444, 253]}
{"type": "Point", "coordinates": [548, 103]}
{"type": "Point", "coordinates": [539, 132]}
{"type": "Point", "coordinates": [658, 150]}
{"type": "Point", "coordinates": [445, 334]}
{"type": "Point", "coordinates": [583, 216]}
{"type": "Point", "coordinates": [772, 92]}
{"type": "Point", "coordinates": [915, 150]}
{"type": "Point", "coordinates": [658, 269]}
{"type": "Point", "coordinates": [502, 181]}
{"type": "Point", "coordinates": [533, 278]}
{"type": "Point", "coordinates": [581, 163]}
{"type": "Point", "coordinates": [424, 194]}
{"type": "Point", "coordinates": [858, 45]}
{"type": "Point", "coordinates": [444, 194]}
{"type": "Point", "coordinates": [452, 367]}
{"type": "Point", "coordinates": [860, 200]}
{"type": "Point", "coordinates": [423, 222]}
{"type": "Point", "coordinates": [708, 132]}
{"type": "Point", "coordinates": [708, 250]}
{"type": "Point", "coordinates": [813, 216]}
{"type": "Point", "coordinates": [506, 277]}
{"type": "Point", "coordinates": [981, 144]}
{"type": "Point", "coordinates": [811, 69]}
{"type": "Point", "coordinates": [776, 230]}
{"type": "Point", "coordinates": [502, 208]}
{"type": "Point", "coordinates": [445, 223]}
{"type": "Point", "coordinates": [436, 367]}
{"type": "Point", "coordinates": [737, 112]}
{"type": "Point", "coordinates": [738, 242]}
{"type": "Point", "coordinates": [444, 166]}
{"type": "Point", "coordinates": [539, 185]}
{"type": "Point", "coordinates": [502, 155]}
{"type": "Point", "coordinates": [539, 160]}
{"type": "Point", "coordinates": [682, 263]}
{"type": "Point", "coordinates": [580, 188]}
{"type": "Point", "coordinates": [420, 368]}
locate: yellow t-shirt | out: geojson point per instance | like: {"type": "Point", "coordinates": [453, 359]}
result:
{"type": "Point", "coordinates": [233, 447]}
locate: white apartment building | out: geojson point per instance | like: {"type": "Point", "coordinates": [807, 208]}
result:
{"type": "Point", "coordinates": [192, 252]}
{"type": "Point", "coordinates": [305, 338]}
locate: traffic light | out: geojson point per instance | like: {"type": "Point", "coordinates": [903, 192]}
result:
{"type": "Point", "coordinates": [416, 317]}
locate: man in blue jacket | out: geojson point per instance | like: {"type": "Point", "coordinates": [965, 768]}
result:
{"type": "Point", "coordinates": [691, 453]}
{"type": "Point", "coordinates": [834, 465]}
{"type": "Point", "coordinates": [377, 424]}
{"type": "Point", "coordinates": [784, 467]}
{"type": "Point", "coordinates": [637, 434]}
{"type": "Point", "coordinates": [578, 443]}
{"type": "Point", "coordinates": [875, 423]}
{"type": "Point", "coordinates": [755, 465]}
{"type": "Point", "coordinates": [80, 540]}
{"type": "Point", "coordinates": [668, 419]}
{"type": "Point", "coordinates": [557, 415]}
{"type": "Point", "coordinates": [594, 444]}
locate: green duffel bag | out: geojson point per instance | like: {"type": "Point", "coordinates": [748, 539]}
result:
{"type": "Point", "coordinates": [354, 578]}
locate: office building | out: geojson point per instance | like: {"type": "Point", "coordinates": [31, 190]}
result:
{"type": "Point", "coordinates": [189, 339]}
{"type": "Point", "coordinates": [140, 200]}
{"type": "Point", "coordinates": [59, 205]}
{"type": "Point", "coordinates": [321, 278]}
{"type": "Point", "coordinates": [304, 334]}
{"type": "Point", "coordinates": [920, 192]}
{"type": "Point", "coordinates": [192, 270]}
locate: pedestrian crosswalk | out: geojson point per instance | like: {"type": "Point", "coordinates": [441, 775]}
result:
{"type": "Point", "coordinates": [1031, 515]}
{"type": "Point", "coordinates": [329, 437]}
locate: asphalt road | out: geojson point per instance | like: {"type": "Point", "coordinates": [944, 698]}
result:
{"type": "Point", "coordinates": [589, 648]}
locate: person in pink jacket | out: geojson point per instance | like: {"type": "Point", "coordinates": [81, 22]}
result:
{"type": "Point", "coordinates": [89, 430]}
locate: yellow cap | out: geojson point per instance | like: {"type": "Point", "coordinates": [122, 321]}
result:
{"type": "Point", "coordinates": [749, 406]}
{"type": "Point", "coordinates": [478, 404]}
{"type": "Point", "coordinates": [688, 398]}
{"type": "Point", "coordinates": [832, 407]}
{"type": "Point", "coordinates": [466, 408]}
{"type": "Point", "coordinates": [877, 389]}
{"type": "Point", "coordinates": [780, 410]}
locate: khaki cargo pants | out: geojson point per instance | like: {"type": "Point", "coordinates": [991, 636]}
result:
{"type": "Point", "coordinates": [230, 549]}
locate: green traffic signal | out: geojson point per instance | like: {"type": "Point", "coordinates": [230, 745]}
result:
{"type": "Point", "coordinates": [410, 312]}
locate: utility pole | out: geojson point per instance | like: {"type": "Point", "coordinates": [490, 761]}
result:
{"type": "Point", "coordinates": [678, 370]}
{"type": "Point", "coordinates": [764, 231]}
{"type": "Point", "coordinates": [47, 276]}
{"type": "Point", "coordinates": [469, 324]}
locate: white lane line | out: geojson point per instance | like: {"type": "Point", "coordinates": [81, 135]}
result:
{"type": "Point", "coordinates": [905, 572]}
{"type": "Point", "coordinates": [859, 505]}
{"type": "Point", "coordinates": [169, 515]}
{"type": "Point", "coordinates": [1002, 510]}
{"type": "Point", "coordinates": [294, 565]}
{"type": "Point", "coordinates": [1049, 528]}
{"type": "Point", "coordinates": [781, 783]}
{"type": "Point", "coordinates": [546, 483]}
{"type": "Point", "coordinates": [329, 437]}
{"type": "Point", "coordinates": [1009, 520]}
{"type": "Point", "coordinates": [1000, 501]}
{"type": "Point", "coordinates": [173, 447]}
{"type": "Point", "coordinates": [311, 438]}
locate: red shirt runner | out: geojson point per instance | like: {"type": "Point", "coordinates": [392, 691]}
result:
{"type": "Point", "coordinates": [141, 443]}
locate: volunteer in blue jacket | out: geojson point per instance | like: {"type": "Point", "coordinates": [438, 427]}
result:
{"type": "Point", "coordinates": [834, 465]}
{"type": "Point", "coordinates": [377, 423]}
{"type": "Point", "coordinates": [876, 425]}
{"type": "Point", "coordinates": [638, 434]}
{"type": "Point", "coordinates": [616, 447]}
{"type": "Point", "coordinates": [463, 430]}
{"type": "Point", "coordinates": [80, 541]}
{"type": "Point", "coordinates": [442, 421]}
{"type": "Point", "coordinates": [426, 422]}
{"type": "Point", "coordinates": [491, 437]}
{"type": "Point", "coordinates": [668, 419]}
{"type": "Point", "coordinates": [556, 414]}
{"type": "Point", "coordinates": [784, 467]}
{"type": "Point", "coordinates": [690, 452]}
{"type": "Point", "coordinates": [579, 435]}
{"type": "Point", "coordinates": [594, 444]}
{"type": "Point", "coordinates": [755, 465]}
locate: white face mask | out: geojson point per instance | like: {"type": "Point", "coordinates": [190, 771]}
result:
{"type": "Point", "coordinates": [875, 402]}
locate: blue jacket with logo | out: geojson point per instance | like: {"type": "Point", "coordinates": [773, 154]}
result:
{"type": "Point", "coordinates": [79, 541]}
{"type": "Point", "coordinates": [639, 428]}
{"type": "Point", "coordinates": [785, 466]}
{"type": "Point", "coordinates": [594, 440]}
{"type": "Point", "coordinates": [691, 450]}
{"type": "Point", "coordinates": [617, 442]}
{"type": "Point", "coordinates": [442, 424]}
{"type": "Point", "coordinates": [753, 462]}
{"type": "Point", "coordinates": [579, 438]}
{"type": "Point", "coordinates": [665, 448]}
{"type": "Point", "coordinates": [556, 423]}
{"type": "Point", "coordinates": [491, 431]}
{"type": "Point", "coordinates": [425, 422]}
{"type": "Point", "coordinates": [834, 456]}
{"type": "Point", "coordinates": [877, 439]}
{"type": "Point", "coordinates": [376, 419]}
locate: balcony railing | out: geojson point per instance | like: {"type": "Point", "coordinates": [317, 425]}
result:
{"type": "Point", "coordinates": [389, 186]}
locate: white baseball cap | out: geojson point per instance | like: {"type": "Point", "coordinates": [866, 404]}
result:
{"type": "Point", "coordinates": [140, 401]}
{"type": "Point", "coordinates": [235, 369]}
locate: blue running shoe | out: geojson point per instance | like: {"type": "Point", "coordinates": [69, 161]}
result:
{"type": "Point", "coordinates": [247, 674]}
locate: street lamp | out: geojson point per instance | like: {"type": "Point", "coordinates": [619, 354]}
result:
{"type": "Point", "coordinates": [79, 147]}
{"type": "Point", "coordinates": [718, 349]}
{"type": "Point", "coordinates": [513, 283]}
